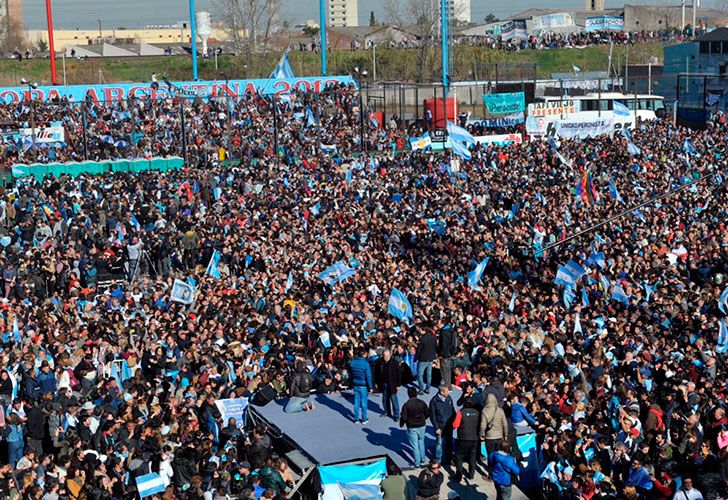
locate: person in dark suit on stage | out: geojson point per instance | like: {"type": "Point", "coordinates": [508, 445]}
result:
{"type": "Point", "coordinates": [388, 377]}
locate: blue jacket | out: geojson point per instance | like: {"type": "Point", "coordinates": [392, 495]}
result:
{"type": "Point", "coordinates": [502, 467]}
{"type": "Point", "coordinates": [640, 478]}
{"type": "Point", "coordinates": [47, 382]}
{"type": "Point", "coordinates": [519, 413]}
{"type": "Point", "coordinates": [361, 373]}
{"type": "Point", "coordinates": [442, 413]}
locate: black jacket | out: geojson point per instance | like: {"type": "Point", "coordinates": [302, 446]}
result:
{"type": "Point", "coordinates": [428, 484]}
{"type": "Point", "coordinates": [467, 423]}
{"type": "Point", "coordinates": [414, 413]}
{"type": "Point", "coordinates": [301, 383]}
{"type": "Point", "coordinates": [36, 423]}
{"type": "Point", "coordinates": [427, 348]}
{"type": "Point", "coordinates": [448, 344]}
{"type": "Point", "coordinates": [387, 373]}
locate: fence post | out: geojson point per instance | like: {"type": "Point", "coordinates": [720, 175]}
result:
{"type": "Point", "coordinates": [85, 125]}
{"type": "Point", "coordinates": [184, 130]}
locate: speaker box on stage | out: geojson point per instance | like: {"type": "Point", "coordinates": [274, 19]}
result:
{"type": "Point", "coordinates": [265, 395]}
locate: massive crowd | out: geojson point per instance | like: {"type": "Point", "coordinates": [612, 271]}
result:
{"type": "Point", "coordinates": [105, 378]}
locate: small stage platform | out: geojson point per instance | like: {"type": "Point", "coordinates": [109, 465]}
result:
{"type": "Point", "coordinates": [329, 435]}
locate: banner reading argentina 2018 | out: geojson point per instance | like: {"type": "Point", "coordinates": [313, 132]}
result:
{"type": "Point", "coordinates": [505, 103]}
{"type": "Point", "coordinates": [121, 91]}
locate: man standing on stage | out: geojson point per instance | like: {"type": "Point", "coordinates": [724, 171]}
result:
{"type": "Point", "coordinates": [387, 374]}
{"type": "Point", "coordinates": [414, 416]}
{"type": "Point", "coordinates": [466, 422]}
{"type": "Point", "coordinates": [442, 413]}
{"type": "Point", "coordinates": [361, 380]}
{"type": "Point", "coordinates": [447, 348]}
{"type": "Point", "coordinates": [426, 355]}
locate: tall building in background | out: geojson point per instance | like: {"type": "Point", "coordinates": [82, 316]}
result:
{"type": "Point", "coordinates": [12, 29]}
{"type": "Point", "coordinates": [594, 4]}
{"type": "Point", "coordinates": [343, 13]}
{"type": "Point", "coordinates": [459, 11]}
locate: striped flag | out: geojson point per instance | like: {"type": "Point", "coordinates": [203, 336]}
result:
{"type": "Point", "coordinates": [149, 484]}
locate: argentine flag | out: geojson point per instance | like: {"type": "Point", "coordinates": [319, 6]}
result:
{"type": "Point", "coordinates": [423, 142]}
{"type": "Point", "coordinates": [722, 345]}
{"type": "Point", "coordinates": [310, 118]}
{"type": "Point", "coordinates": [399, 306]}
{"type": "Point", "coordinates": [476, 274]}
{"type": "Point", "coordinates": [149, 484]}
{"type": "Point", "coordinates": [633, 149]}
{"type": "Point", "coordinates": [283, 70]}
{"type": "Point", "coordinates": [213, 267]}
{"type": "Point", "coordinates": [723, 301]}
{"type": "Point", "coordinates": [620, 109]}
{"type": "Point", "coordinates": [336, 273]}
{"type": "Point", "coordinates": [460, 139]}
{"type": "Point", "coordinates": [619, 294]}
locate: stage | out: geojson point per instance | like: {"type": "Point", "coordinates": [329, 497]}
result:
{"type": "Point", "coordinates": [329, 435]}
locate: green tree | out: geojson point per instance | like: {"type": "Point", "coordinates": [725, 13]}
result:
{"type": "Point", "coordinates": [372, 19]}
{"type": "Point", "coordinates": [491, 18]}
{"type": "Point", "coordinates": [310, 30]}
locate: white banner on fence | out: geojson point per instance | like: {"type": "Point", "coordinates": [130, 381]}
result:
{"type": "Point", "coordinates": [557, 20]}
{"type": "Point", "coordinates": [52, 134]}
{"type": "Point", "coordinates": [584, 127]}
{"type": "Point", "coordinates": [500, 139]}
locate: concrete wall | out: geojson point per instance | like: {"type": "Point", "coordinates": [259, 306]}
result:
{"type": "Point", "coordinates": [64, 38]}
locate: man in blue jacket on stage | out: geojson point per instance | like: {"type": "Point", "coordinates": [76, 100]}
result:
{"type": "Point", "coordinates": [360, 373]}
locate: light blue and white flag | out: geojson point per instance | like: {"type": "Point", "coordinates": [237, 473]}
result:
{"type": "Point", "coordinates": [569, 274]}
{"type": "Point", "coordinates": [476, 274]}
{"type": "Point", "coordinates": [289, 281]}
{"type": "Point", "coordinates": [567, 216]}
{"type": "Point", "coordinates": [584, 297]}
{"type": "Point", "coordinates": [512, 304]}
{"type": "Point", "coordinates": [723, 301]}
{"type": "Point", "coordinates": [213, 267]}
{"type": "Point", "coordinates": [577, 324]}
{"type": "Point", "coordinates": [336, 273]}
{"type": "Point", "coordinates": [619, 294]}
{"type": "Point", "coordinates": [149, 484]}
{"type": "Point", "coordinates": [422, 142]}
{"type": "Point", "coordinates": [649, 290]}
{"type": "Point", "coordinates": [460, 139]}
{"type": "Point", "coordinates": [688, 147]}
{"type": "Point", "coordinates": [620, 109]}
{"type": "Point", "coordinates": [329, 148]}
{"type": "Point", "coordinates": [134, 222]}
{"type": "Point", "coordinates": [183, 292]}
{"type": "Point", "coordinates": [283, 69]}
{"type": "Point", "coordinates": [399, 306]}
{"type": "Point", "coordinates": [722, 345]}
{"type": "Point", "coordinates": [576, 68]}
{"type": "Point", "coordinates": [569, 295]}
{"type": "Point", "coordinates": [614, 193]}
{"type": "Point", "coordinates": [310, 118]}
{"type": "Point", "coordinates": [633, 149]}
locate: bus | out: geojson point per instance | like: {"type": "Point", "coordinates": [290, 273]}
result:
{"type": "Point", "coordinates": [642, 107]}
{"type": "Point", "coordinates": [646, 106]}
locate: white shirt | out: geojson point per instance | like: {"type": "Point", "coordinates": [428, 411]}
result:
{"type": "Point", "coordinates": [691, 494]}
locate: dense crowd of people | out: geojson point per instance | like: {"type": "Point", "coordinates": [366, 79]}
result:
{"type": "Point", "coordinates": [577, 39]}
{"type": "Point", "coordinates": [105, 378]}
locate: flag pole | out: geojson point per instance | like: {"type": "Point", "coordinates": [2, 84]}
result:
{"type": "Point", "coordinates": [51, 42]}
{"type": "Point", "coordinates": [322, 16]}
{"type": "Point", "coordinates": [193, 35]}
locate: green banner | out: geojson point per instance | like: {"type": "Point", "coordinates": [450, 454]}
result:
{"type": "Point", "coordinates": [74, 169]}
{"type": "Point", "coordinates": [506, 103]}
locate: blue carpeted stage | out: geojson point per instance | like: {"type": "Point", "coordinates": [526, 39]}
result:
{"type": "Point", "coordinates": [329, 435]}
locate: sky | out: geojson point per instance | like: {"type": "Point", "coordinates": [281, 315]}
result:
{"type": "Point", "coordinates": [71, 14]}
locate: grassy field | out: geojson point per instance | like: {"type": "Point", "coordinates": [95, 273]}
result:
{"type": "Point", "coordinates": [392, 65]}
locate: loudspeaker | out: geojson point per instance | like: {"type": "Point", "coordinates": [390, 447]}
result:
{"type": "Point", "coordinates": [265, 395]}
